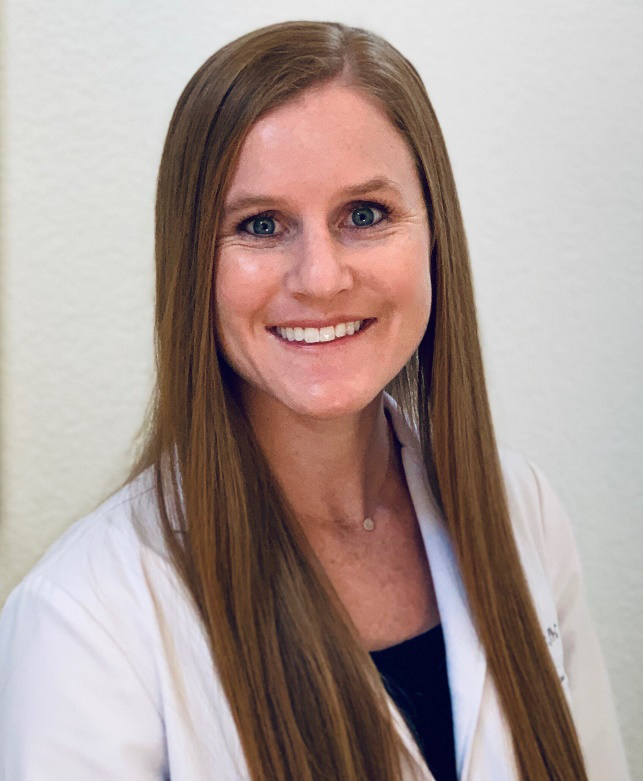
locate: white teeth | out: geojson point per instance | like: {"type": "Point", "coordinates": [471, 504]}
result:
{"type": "Point", "coordinates": [313, 335]}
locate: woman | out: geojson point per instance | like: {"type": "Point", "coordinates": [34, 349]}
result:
{"type": "Point", "coordinates": [304, 578]}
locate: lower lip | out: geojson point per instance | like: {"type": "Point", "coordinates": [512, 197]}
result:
{"type": "Point", "coordinates": [325, 345]}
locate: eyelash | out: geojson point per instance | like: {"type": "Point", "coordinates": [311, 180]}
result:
{"type": "Point", "coordinates": [382, 207]}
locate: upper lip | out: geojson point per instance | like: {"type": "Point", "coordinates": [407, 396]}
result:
{"type": "Point", "coordinates": [312, 323]}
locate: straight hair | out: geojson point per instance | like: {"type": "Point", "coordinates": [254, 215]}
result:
{"type": "Point", "coordinates": [307, 700]}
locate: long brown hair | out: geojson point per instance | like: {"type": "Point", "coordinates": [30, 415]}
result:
{"type": "Point", "coordinates": [306, 698]}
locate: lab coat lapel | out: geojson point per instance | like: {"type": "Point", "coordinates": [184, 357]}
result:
{"type": "Point", "coordinates": [466, 662]}
{"type": "Point", "coordinates": [411, 745]}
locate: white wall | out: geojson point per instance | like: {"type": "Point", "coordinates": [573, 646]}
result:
{"type": "Point", "coordinates": [540, 104]}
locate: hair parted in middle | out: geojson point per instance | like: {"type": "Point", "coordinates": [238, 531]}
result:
{"type": "Point", "coordinates": [307, 699]}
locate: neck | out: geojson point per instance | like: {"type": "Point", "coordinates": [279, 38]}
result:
{"type": "Point", "coordinates": [333, 471]}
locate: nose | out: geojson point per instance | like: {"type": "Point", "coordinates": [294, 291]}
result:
{"type": "Point", "coordinates": [319, 267]}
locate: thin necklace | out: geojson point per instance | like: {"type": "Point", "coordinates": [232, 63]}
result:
{"type": "Point", "coordinates": [368, 522]}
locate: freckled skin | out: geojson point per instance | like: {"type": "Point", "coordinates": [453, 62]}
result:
{"type": "Point", "coordinates": [318, 264]}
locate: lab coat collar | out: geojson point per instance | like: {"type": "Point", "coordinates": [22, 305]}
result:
{"type": "Point", "coordinates": [466, 662]}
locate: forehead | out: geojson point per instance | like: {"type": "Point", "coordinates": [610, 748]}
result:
{"type": "Point", "coordinates": [330, 138]}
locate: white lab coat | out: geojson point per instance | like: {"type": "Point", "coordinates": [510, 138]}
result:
{"type": "Point", "coordinates": [105, 672]}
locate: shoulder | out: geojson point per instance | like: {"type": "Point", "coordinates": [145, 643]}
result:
{"type": "Point", "coordinates": [101, 548]}
{"type": "Point", "coordinates": [549, 555]}
{"type": "Point", "coordinates": [524, 483]}
{"type": "Point", "coordinates": [535, 509]}
{"type": "Point", "coordinates": [90, 584]}
{"type": "Point", "coordinates": [76, 631]}
{"type": "Point", "coordinates": [542, 528]}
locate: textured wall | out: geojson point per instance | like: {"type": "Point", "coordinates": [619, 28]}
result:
{"type": "Point", "coordinates": [541, 109]}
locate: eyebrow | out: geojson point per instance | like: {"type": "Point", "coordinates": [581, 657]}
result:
{"type": "Point", "coordinates": [244, 201]}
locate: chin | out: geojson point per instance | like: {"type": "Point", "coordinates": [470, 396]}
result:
{"type": "Point", "coordinates": [330, 405]}
{"type": "Point", "coordinates": [321, 399]}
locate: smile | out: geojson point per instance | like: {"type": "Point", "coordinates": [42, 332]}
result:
{"type": "Point", "coordinates": [327, 334]}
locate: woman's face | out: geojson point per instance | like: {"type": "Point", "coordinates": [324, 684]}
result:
{"type": "Point", "coordinates": [325, 231]}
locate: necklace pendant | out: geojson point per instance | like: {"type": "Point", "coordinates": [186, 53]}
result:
{"type": "Point", "coordinates": [368, 524]}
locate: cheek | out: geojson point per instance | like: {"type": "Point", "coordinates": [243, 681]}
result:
{"type": "Point", "coordinates": [415, 286]}
{"type": "Point", "coordinates": [409, 283]}
{"type": "Point", "coordinates": [244, 287]}
{"type": "Point", "coordinates": [422, 271]}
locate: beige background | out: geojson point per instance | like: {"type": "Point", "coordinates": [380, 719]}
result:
{"type": "Point", "coordinates": [541, 108]}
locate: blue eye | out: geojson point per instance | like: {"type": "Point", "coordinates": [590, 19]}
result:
{"type": "Point", "coordinates": [262, 226]}
{"type": "Point", "coordinates": [364, 216]}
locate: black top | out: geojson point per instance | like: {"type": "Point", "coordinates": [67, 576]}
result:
{"type": "Point", "coordinates": [415, 675]}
